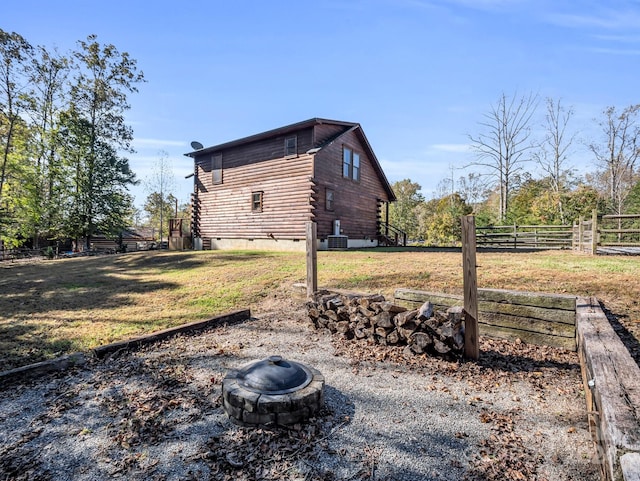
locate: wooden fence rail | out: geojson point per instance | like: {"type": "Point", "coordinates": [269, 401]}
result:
{"type": "Point", "coordinates": [599, 233]}
{"type": "Point", "coordinates": [607, 232]}
{"type": "Point", "coordinates": [525, 236]}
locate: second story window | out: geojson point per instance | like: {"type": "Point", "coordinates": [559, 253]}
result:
{"type": "Point", "coordinates": [216, 169]}
{"type": "Point", "coordinates": [350, 164]}
{"type": "Point", "coordinates": [347, 158]}
{"type": "Point", "coordinates": [291, 146]}
{"type": "Point", "coordinates": [355, 167]}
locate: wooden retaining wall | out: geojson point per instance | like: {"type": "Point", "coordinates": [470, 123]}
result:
{"type": "Point", "coordinates": [612, 390]}
{"type": "Point", "coordinates": [536, 318]}
{"type": "Point", "coordinates": [610, 375]}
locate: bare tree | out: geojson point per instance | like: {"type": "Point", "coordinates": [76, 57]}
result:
{"type": "Point", "coordinates": [554, 149]}
{"type": "Point", "coordinates": [160, 186]}
{"type": "Point", "coordinates": [502, 149]}
{"type": "Point", "coordinates": [619, 153]}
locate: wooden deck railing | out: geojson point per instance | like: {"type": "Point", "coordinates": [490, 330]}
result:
{"type": "Point", "coordinates": [391, 235]}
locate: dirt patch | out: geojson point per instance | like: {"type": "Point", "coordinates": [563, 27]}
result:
{"type": "Point", "coordinates": [156, 413]}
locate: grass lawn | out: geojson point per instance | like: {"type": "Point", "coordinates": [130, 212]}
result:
{"type": "Point", "coordinates": [50, 308]}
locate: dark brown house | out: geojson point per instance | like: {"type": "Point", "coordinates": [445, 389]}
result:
{"type": "Point", "coordinates": [260, 191]}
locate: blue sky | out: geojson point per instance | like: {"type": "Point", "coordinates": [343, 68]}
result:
{"type": "Point", "coordinates": [418, 75]}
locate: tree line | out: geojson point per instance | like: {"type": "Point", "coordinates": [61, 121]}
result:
{"type": "Point", "coordinates": [63, 166]}
{"type": "Point", "coordinates": [500, 186]}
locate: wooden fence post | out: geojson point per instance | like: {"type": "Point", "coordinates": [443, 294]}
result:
{"type": "Point", "coordinates": [580, 233]}
{"type": "Point", "coordinates": [470, 286]}
{"type": "Point", "coordinates": [594, 232]}
{"type": "Point", "coordinates": [312, 259]}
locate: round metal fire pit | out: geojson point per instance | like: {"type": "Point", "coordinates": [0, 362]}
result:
{"type": "Point", "coordinates": [273, 391]}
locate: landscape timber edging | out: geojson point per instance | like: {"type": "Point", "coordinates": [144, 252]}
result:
{"type": "Point", "coordinates": [230, 318]}
{"type": "Point", "coordinates": [534, 317]}
{"type": "Point", "coordinates": [78, 358]}
{"type": "Point", "coordinates": [611, 380]}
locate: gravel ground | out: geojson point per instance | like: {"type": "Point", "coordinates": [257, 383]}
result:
{"type": "Point", "coordinates": [156, 413]}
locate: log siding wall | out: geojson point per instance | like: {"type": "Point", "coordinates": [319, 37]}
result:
{"type": "Point", "coordinates": [293, 188]}
{"type": "Point", "coordinates": [324, 132]}
{"type": "Point", "coordinates": [355, 203]}
{"type": "Point", "coordinates": [225, 209]}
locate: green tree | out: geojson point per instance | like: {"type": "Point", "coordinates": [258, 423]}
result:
{"type": "Point", "coordinates": [48, 185]}
{"type": "Point", "coordinates": [14, 72]}
{"type": "Point", "coordinates": [162, 182]}
{"type": "Point", "coordinates": [13, 230]}
{"type": "Point", "coordinates": [402, 213]}
{"type": "Point", "coordinates": [15, 52]}
{"type": "Point", "coordinates": [440, 220]}
{"type": "Point", "coordinates": [581, 201]}
{"type": "Point", "coordinates": [632, 202]}
{"type": "Point", "coordinates": [535, 202]}
{"type": "Point", "coordinates": [97, 133]}
{"type": "Point", "coordinates": [159, 209]}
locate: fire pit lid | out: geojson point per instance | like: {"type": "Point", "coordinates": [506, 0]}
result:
{"type": "Point", "coordinates": [274, 375]}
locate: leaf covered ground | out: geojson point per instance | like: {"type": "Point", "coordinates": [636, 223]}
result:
{"type": "Point", "coordinates": [156, 413]}
{"type": "Point", "coordinates": [51, 308]}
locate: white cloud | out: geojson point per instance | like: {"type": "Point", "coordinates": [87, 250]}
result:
{"type": "Point", "coordinates": [487, 4]}
{"type": "Point", "coordinates": [619, 38]}
{"type": "Point", "coordinates": [605, 18]}
{"type": "Point", "coordinates": [143, 142]}
{"type": "Point", "coordinates": [456, 148]}
{"type": "Point", "coordinates": [615, 51]}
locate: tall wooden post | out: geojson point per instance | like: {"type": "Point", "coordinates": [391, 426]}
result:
{"type": "Point", "coordinates": [594, 232]}
{"type": "Point", "coordinates": [312, 259]}
{"type": "Point", "coordinates": [581, 234]}
{"type": "Point", "coordinates": [470, 286]}
{"type": "Point", "coordinates": [386, 220]}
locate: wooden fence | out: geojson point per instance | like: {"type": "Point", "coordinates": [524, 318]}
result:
{"type": "Point", "coordinates": [607, 233]}
{"type": "Point", "coordinates": [525, 236]}
{"type": "Point", "coordinates": [596, 234]}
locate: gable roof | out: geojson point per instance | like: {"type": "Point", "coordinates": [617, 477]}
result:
{"type": "Point", "coordinates": [349, 126]}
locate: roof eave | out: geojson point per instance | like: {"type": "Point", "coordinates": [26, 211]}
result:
{"type": "Point", "coordinates": [269, 133]}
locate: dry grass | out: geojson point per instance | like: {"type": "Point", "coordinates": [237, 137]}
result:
{"type": "Point", "coordinates": [50, 308]}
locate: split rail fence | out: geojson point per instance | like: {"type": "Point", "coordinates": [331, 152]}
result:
{"type": "Point", "coordinates": [598, 233]}
{"type": "Point", "coordinates": [525, 236]}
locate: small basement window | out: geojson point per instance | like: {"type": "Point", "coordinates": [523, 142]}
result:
{"type": "Point", "coordinates": [291, 146]}
{"type": "Point", "coordinates": [256, 202]}
{"type": "Point", "coordinates": [329, 197]}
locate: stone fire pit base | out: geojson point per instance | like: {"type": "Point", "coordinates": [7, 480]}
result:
{"type": "Point", "coordinates": [247, 407]}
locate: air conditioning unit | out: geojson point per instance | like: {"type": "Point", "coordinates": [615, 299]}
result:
{"type": "Point", "coordinates": [337, 241]}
